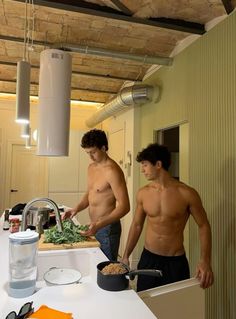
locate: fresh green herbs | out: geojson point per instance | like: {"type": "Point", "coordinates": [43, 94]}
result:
{"type": "Point", "coordinates": [69, 235]}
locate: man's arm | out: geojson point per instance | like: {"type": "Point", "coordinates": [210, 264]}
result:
{"type": "Point", "coordinates": [84, 203]}
{"type": "Point", "coordinates": [135, 229]}
{"type": "Point", "coordinates": [203, 271]}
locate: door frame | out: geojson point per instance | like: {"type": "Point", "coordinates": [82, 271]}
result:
{"type": "Point", "coordinates": [8, 165]}
{"type": "Point", "coordinates": [183, 163]}
{"type": "Point", "coordinates": [9, 148]}
{"type": "Point", "coordinates": [121, 128]}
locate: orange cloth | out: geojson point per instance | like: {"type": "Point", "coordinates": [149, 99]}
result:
{"type": "Point", "coordinates": [45, 312]}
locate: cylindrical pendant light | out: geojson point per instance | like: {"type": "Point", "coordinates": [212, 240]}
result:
{"type": "Point", "coordinates": [25, 131]}
{"type": "Point", "coordinates": [54, 103]}
{"type": "Point", "coordinates": [23, 92]}
{"type": "Point", "coordinates": [28, 143]}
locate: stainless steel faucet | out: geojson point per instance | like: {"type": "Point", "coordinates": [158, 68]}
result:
{"type": "Point", "coordinates": [47, 200]}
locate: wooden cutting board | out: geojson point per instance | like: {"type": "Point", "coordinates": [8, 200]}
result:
{"type": "Point", "coordinates": [91, 242]}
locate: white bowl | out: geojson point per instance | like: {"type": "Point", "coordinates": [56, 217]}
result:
{"type": "Point", "coordinates": [62, 276]}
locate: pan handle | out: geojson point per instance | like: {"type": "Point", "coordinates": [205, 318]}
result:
{"type": "Point", "coordinates": [148, 272]}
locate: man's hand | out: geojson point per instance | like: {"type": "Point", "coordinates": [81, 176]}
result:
{"type": "Point", "coordinates": [68, 214]}
{"type": "Point", "coordinates": [204, 274]}
{"type": "Point", "coordinates": [125, 261]}
{"type": "Point", "coordinates": [91, 230]}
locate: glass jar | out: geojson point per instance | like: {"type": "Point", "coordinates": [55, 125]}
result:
{"type": "Point", "coordinates": [23, 251]}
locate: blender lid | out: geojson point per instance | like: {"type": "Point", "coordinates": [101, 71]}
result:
{"type": "Point", "coordinates": [24, 237]}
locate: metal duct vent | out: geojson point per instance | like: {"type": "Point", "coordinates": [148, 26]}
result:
{"type": "Point", "coordinates": [127, 97]}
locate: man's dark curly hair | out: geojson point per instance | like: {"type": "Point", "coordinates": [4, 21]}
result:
{"type": "Point", "coordinates": [94, 138]}
{"type": "Point", "coordinates": [155, 152]}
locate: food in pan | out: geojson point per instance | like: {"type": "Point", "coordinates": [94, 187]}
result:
{"type": "Point", "coordinates": [114, 269]}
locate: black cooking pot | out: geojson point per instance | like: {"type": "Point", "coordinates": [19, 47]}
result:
{"type": "Point", "coordinates": [117, 282]}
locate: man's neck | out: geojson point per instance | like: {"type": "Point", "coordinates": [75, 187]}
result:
{"type": "Point", "coordinates": [103, 160]}
{"type": "Point", "coordinates": [163, 179]}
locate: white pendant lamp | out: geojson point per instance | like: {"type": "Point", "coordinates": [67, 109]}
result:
{"type": "Point", "coordinates": [23, 92]}
{"type": "Point", "coordinates": [28, 143]}
{"type": "Point", "coordinates": [54, 103]}
{"type": "Point", "coordinates": [25, 131]}
{"type": "Point", "coordinates": [35, 135]}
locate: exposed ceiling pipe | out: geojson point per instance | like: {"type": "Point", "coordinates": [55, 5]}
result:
{"type": "Point", "coordinates": [115, 54]}
{"type": "Point", "coordinates": [127, 97]}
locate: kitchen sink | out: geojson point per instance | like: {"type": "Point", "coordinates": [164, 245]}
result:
{"type": "Point", "coordinates": [82, 260]}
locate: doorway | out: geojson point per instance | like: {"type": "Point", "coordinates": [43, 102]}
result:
{"type": "Point", "coordinates": [170, 138]}
{"type": "Point", "coordinates": [27, 176]}
{"type": "Point", "coordinates": [176, 138]}
{"type": "Point", "coordinates": [116, 152]}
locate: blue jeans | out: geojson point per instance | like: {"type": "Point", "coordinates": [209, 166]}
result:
{"type": "Point", "coordinates": [109, 238]}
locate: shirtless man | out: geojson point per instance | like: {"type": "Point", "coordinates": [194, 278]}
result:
{"type": "Point", "coordinates": [106, 196]}
{"type": "Point", "coordinates": [167, 204]}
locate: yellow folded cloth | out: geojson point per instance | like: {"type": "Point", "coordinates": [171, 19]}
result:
{"type": "Point", "coordinates": [45, 312]}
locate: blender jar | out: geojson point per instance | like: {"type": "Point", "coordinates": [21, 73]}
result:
{"type": "Point", "coordinates": [23, 251]}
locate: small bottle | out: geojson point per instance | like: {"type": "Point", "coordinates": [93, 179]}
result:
{"type": "Point", "coordinates": [14, 225]}
{"type": "Point", "coordinates": [6, 224]}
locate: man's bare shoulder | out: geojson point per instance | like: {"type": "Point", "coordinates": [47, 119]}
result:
{"type": "Point", "coordinates": [112, 165]}
{"type": "Point", "coordinates": [187, 191]}
{"type": "Point", "coordinates": [143, 190]}
{"type": "Point", "coordinates": [91, 166]}
{"type": "Point", "coordinates": [112, 169]}
{"type": "Point", "coordinates": [174, 185]}
{"type": "Point", "coordinates": [185, 187]}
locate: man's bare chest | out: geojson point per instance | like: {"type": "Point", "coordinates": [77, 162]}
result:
{"type": "Point", "coordinates": [165, 205]}
{"type": "Point", "coordinates": [97, 182]}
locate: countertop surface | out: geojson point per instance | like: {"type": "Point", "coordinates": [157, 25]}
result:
{"type": "Point", "coordinates": [84, 300]}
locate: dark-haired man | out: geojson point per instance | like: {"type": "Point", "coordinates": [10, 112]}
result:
{"type": "Point", "coordinates": [106, 196]}
{"type": "Point", "coordinates": [167, 204]}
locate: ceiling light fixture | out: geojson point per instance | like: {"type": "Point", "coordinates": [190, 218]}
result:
{"type": "Point", "coordinates": [23, 92]}
{"type": "Point", "coordinates": [25, 131]}
{"type": "Point", "coordinates": [28, 143]}
{"type": "Point", "coordinates": [23, 75]}
{"type": "Point", "coordinates": [35, 135]}
{"type": "Point", "coordinates": [54, 103]}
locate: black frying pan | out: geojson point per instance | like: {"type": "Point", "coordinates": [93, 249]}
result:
{"type": "Point", "coordinates": [117, 282]}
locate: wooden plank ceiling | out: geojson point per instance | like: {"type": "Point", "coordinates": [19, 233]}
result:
{"type": "Point", "coordinates": [140, 28]}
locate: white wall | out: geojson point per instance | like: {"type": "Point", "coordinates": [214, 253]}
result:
{"type": "Point", "coordinates": [10, 132]}
{"type": "Point", "coordinates": [68, 176]}
{"type": "Point", "coordinates": [129, 121]}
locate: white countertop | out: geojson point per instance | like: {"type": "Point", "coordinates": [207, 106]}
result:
{"type": "Point", "coordinates": [84, 300]}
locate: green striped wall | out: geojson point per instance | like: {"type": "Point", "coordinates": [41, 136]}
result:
{"type": "Point", "coordinates": [200, 88]}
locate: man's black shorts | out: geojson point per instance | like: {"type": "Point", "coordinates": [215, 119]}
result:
{"type": "Point", "coordinates": [174, 268]}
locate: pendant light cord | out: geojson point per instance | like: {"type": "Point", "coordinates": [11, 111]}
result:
{"type": "Point", "coordinates": [26, 29]}
{"type": "Point", "coordinates": [29, 29]}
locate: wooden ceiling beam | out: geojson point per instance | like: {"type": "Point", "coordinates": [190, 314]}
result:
{"type": "Point", "coordinates": [80, 73]}
{"type": "Point", "coordinates": [122, 7]}
{"type": "Point", "coordinates": [21, 40]}
{"type": "Point", "coordinates": [109, 13]}
{"type": "Point", "coordinates": [83, 49]}
{"type": "Point", "coordinates": [76, 100]}
{"type": "Point", "coordinates": [73, 88]}
{"type": "Point", "coordinates": [228, 6]}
